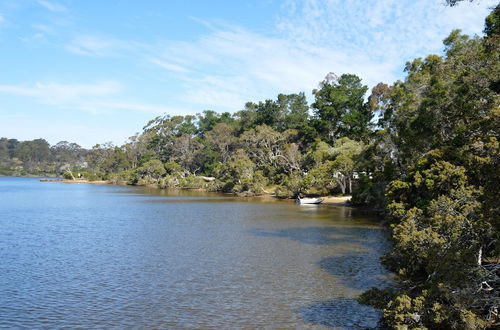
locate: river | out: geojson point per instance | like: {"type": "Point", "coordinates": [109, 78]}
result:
{"type": "Point", "coordinates": [103, 256]}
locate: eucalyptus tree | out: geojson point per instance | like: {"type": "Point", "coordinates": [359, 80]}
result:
{"type": "Point", "coordinates": [222, 139]}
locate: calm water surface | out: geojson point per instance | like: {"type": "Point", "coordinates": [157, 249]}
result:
{"type": "Point", "coordinates": [99, 256]}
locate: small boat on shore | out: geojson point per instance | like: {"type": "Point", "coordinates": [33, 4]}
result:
{"type": "Point", "coordinates": [308, 200]}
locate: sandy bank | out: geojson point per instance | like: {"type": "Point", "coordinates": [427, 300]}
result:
{"type": "Point", "coordinates": [333, 200]}
{"type": "Point", "coordinates": [75, 181]}
{"type": "Point", "coordinates": [330, 200]}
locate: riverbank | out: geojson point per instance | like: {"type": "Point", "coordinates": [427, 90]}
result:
{"type": "Point", "coordinates": [337, 200]}
{"type": "Point", "coordinates": [76, 181]}
{"type": "Point", "coordinates": [329, 200]}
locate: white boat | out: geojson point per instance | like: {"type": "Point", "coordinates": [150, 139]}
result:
{"type": "Point", "coordinates": [308, 200]}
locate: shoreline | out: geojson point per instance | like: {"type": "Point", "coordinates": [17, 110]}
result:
{"type": "Point", "coordinates": [76, 181]}
{"type": "Point", "coordinates": [328, 200]}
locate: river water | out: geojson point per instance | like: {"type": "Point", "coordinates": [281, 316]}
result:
{"type": "Point", "coordinates": [102, 256]}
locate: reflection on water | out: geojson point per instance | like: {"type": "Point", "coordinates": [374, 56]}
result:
{"type": "Point", "coordinates": [340, 313]}
{"type": "Point", "coordinates": [85, 256]}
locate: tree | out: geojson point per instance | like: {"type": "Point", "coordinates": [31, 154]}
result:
{"type": "Point", "coordinates": [439, 238]}
{"type": "Point", "coordinates": [346, 153]}
{"type": "Point", "coordinates": [136, 149]}
{"type": "Point", "coordinates": [444, 120]}
{"type": "Point", "coordinates": [163, 131]}
{"type": "Point", "coordinates": [340, 109]}
{"type": "Point", "coordinates": [246, 118]}
{"type": "Point", "coordinates": [4, 149]}
{"type": "Point", "coordinates": [492, 24]}
{"type": "Point", "coordinates": [222, 139]}
{"type": "Point", "coordinates": [34, 151]}
{"type": "Point", "coordinates": [185, 152]}
{"type": "Point", "coordinates": [107, 158]}
{"type": "Point", "coordinates": [239, 174]}
{"type": "Point", "coordinates": [153, 169]}
{"type": "Point", "coordinates": [209, 119]}
{"type": "Point", "coordinates": [268, 149]}
{"type": "Point", "coordinates": [67, 152]}
{"type": "Point", "coordinates": [295, 111]}
{"type": "Point", "coordinates": [452, 3]}
{"type": "Point", "coordinates": [269, 113]}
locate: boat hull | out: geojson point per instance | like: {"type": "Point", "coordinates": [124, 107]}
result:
{"type": "Point", "coordinates": [309, 200]}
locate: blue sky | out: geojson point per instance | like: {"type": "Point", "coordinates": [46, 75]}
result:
{"type": "Point", "coordinates": [92, 71]}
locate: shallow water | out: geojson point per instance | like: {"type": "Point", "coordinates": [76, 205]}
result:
{"type": "Point", "coordinates": [87, 256]}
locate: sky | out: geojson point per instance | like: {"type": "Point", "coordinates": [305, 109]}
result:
{"type": "Point", "coordinates": [93, 71]}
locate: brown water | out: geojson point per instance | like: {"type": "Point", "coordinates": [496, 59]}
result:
{"type": "Point", "coordinates": [97, 256]}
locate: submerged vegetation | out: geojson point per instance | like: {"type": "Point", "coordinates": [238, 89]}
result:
{"type": "Point", "coordinates": [425, 150]}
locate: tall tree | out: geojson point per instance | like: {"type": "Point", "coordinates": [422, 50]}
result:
{"type": "Point", "coordinates": [340, 109]}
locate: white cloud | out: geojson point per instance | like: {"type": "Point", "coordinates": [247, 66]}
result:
{"type": "Point", "coordinates": [167, 65]}
{"type": "Point", "coordinates": [230, 65]}
{"type": "Point", "coordinates": [52, 6]}
{"type": "Point", "coordinates": [101, 97]}
{"type": "Point", "coordinates": [110, 105]}
{"type": "Point", "coordinates": [99, 46]}
{"type": "Point", "coordinates": [54, 93]}
{"type": "Point", "coordinates": [43, 28]}
{"type": "Point", "coordinates": [383, 29]}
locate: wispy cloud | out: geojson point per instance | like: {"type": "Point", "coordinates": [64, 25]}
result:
{"type": "Point", "coordinates": [167, 65]}
{"type": "Point", "coordinates": [100, 97]}
{"type": "Point", "coordinates": [229, 64]}
{"type": "Point", "coordinates": [384, 30]}
{"type": "Point", "coordinates": [52, 6]}
{"type": "Point", "coordinates": [54, 93]}
{"type": "Point", "coordinates": [111, 105]}
{"type": "Point", "coordinates": [98, 46]}
{"type": "Point", "coordinates": [43, 28]}
{"type": "Point", "coordinates": [228, 67]}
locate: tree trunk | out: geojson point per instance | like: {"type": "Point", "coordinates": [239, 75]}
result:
{"type": "Point", "coordinates": [342, 185]}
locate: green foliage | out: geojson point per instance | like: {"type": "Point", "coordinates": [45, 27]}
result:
{"type": "Point", "coordinates": [340, 108]}
{"type": "Point", "coordinates": [123, 177]}
{"type": "Point", "coordinates": [173, 168]}
{"type": "Point", "coordinates": [37, 157]}
{"type": "Point", "coordinates": [370, 191]}
{"type": "Point", "coordinates": [209, 119]}
{"type": "Point", "coordinates": [67, 175]}
{"type": "Point", "coordinates": [492, 24]}
{"type": "Point", "coordinates": [441, 129]}
{"type": "Point", "coordinates": [193, 182]}
{"type": "Point", "coordinates": [149, 173]}
{"type": "Point", "coordinates": [376, 297]}
{"type": "Point", "coordinates": [320, 180]}
{"type": "Point", "coordinates": [88, 175]}
{"type": "Point", "coordinates": [290, 185]}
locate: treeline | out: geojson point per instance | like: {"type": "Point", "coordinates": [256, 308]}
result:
{"type": "Point", "coordinates": [275, 145]}
{"type": "Point", "coordinates": [38, 157]}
